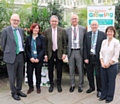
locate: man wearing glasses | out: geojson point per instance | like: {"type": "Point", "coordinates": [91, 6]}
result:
{"type": "Point", "coordinates": [13, 50]}
{"type": "Point", "coordinates": [75, 35]}
{"type": "Point", "coordinates": [92, 45]}
{"type": "Point", "coordinates": [55, 38]}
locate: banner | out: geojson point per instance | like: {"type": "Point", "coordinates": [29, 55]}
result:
{"type": "Point", "coordinates": [44, 76]}
{"type": "Point", "coordinates": [103, 14]}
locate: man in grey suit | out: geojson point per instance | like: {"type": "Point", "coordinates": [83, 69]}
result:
{"type": "Point", "coordinates": [55, 38]}
{"type": "Point", "coordinates": [75, 35]}
{"type": "Point", "coordinates": [13, 50]}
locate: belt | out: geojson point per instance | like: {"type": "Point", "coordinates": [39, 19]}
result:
{"type": "Point", "coordinates": [20, 52]}
{"type": "Point", "coordinates": [76, 49]}
{"type": "Point", "coordinates": [92, 54]}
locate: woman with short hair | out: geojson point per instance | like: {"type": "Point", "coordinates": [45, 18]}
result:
{"type": "Point", "coordinates": [109, 55]}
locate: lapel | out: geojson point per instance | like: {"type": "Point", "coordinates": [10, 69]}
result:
{"type": "Point", "coordinates": [20, 33]}
{"type": "Point", "coordinates": [11, 34]}
{"type": "Point", "coordinates": [70, 36]}
{"type": "Point", "coordinates": [50, 34]}
{"type": "Point", "coordinates": [98, 40]}
{"type": "Point", "coordinates": [58, 35]}
{"type": "Point", "coordinates": [80, 35]}
{"type": "Point", "coordinates": [90, 36]}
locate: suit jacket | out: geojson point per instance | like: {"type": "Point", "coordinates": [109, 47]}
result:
{"type": "Point", "coordinates": [8, 44]}
{"type": "Point", "coordinates": [82, 32]}
{"type": "Point", "coordinates": [87, 44]}
{"type": "Point", "coordinates": [61, 42]}
{"type": "Point", "coordinates": [40, 46]}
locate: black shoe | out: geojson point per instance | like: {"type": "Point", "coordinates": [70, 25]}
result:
{"type": "Point", "coordinates": [16, 97]}
{"type": "Point", "coordinates": [80, 89]}
{"type": "Point", "coordinates": [59, 88]}
{"type": "Point", "coordinates": [108, 101]}
{"type": "Point", "coordinates": [98, 94]}
{"type": "Point", "coordinates": [72, 88]}
{"type": "Point", "coordinates": [51, 89]}
{"type": "Point", "coordinates": [101, 99]}
{"type": "Point", "coordinates": [90, 90]}
{"type": "Point", "coordinates": [21, 94]}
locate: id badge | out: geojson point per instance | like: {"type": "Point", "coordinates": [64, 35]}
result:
{"type": "Point", "coordinates": [75, 41]}
{"type": "Point", "coordinates": [92, 50]}
{"type": "Point", "coordinates": [35, 52]}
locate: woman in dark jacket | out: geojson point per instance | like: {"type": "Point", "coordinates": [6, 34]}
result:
{"type": "Point", "coordinates": [35, 49]}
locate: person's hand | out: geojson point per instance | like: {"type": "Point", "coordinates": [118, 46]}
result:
{"type": "Point", "coordinates": [103, 65]}
{"type": "Point", "coordinates": [86, 61]}
{"type": "Point", "coordinates": [63, 56]}
{"type": "Point", "coordinates": [36, 60]}
{"type": "Point", "coordinates": [107, 65]}
{"type": "Point", "coordinates": [32, 60]}
{"type": "Point", "coordinates": [46, 58]}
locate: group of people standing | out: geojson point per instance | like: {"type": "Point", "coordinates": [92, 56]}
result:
{"type": "Point", "coordinates": [99, 52]}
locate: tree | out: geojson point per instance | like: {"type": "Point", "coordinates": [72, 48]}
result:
{"type": "Point", "coordinates": [117, 17]}
{"type": "Point", "coordinates": [56, 9]}
{"type": "Point", "coordinates": [6, 10]}
{"type": "Point", "coordinates": [83, 17]}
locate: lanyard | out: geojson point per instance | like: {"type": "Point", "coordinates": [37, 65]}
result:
{"type": "Point", "coordinates": [95, 38]}
{"type": "Point", "coordinates": [75, 34]}
{"type": "Point", "coordinates": [34, 44]}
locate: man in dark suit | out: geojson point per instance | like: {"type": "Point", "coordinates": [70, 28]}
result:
{"type": "Point", "coordinates": [55, 38]}
{"type": "Point", "coordinates": [92, 45]}
{"type": "Point", "coordinates": [13, 49]}
{"type": "Point", "coordinates": [75, 35]}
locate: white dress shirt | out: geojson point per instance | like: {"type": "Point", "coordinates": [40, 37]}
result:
{"type": "Point", "coordinates": [54, 37]}
{"type": "Point", "coordinates": [110, 51]}
{"type": "Point", "coordinates": [77, 38]}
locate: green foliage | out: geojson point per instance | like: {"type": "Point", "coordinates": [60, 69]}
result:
{"type": "Point", "coordinates": [29, 13]}
{"type": "Point", "coordinates": [117, 17]}
{"type": "Point", "coordinates": [37, 15]}
{"type": "Point", "coordinates": [83, 17]}
{"type": "Point", "coordinates": [56, 9]}
{"type": "Point", "coordinates": [6, 9]}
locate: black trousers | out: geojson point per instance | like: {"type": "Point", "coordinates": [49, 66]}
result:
{"type": "Point", "coordinates": [58, 65]}
{"type": "Point", "coordinates": [108, 77]}
{"type": "Point", "coordinates": [30, 68]}
{"type": "Point", "coordinates": [93, 69]}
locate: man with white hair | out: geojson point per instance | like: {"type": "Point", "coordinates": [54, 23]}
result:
{"type": "Point", "coordinates": [92, 45]}
{"type": "Point", "coordinates": [13, 50]}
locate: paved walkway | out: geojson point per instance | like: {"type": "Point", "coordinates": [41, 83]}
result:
{"type": "Point", "coordinates": [56, 98]}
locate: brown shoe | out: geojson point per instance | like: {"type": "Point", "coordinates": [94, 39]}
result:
{"type": "Point", "coordinates": [30, 90]}
{"type": "Point", "coordinates": [38, 90]}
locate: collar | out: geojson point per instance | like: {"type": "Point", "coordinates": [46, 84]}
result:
{"type": "Point", "coordinates": [14, 28]}
{"type": "Point", "coordinates": [95, 32]}
{"type": "Point", "coordinates": [74, 27]}
{"type": "Point", "coordinates": [54, 29]}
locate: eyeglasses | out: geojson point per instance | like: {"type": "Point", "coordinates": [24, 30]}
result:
{"type": "Point", "coordinates": [15, 20]}
{"type": "Point", "coordinates": [74, 18]}
{"type": "Point", "coordinates": [54, 21]}
{"type": "Point", "coordinates": [94, 25]}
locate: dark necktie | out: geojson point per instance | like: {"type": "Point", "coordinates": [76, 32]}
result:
{"type": "Point", "coordinates": [75, 34]}
{"type": "Point", "coordinates": [16, 40]}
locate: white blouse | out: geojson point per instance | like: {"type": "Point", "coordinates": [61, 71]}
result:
{"type": "Point", "coordinates": [110, 51]}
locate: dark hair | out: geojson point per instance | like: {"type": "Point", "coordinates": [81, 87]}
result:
{"type": "Point", "coordinates": [110, 28]}
{"type": "Point", "coordinates": [33, 26]}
